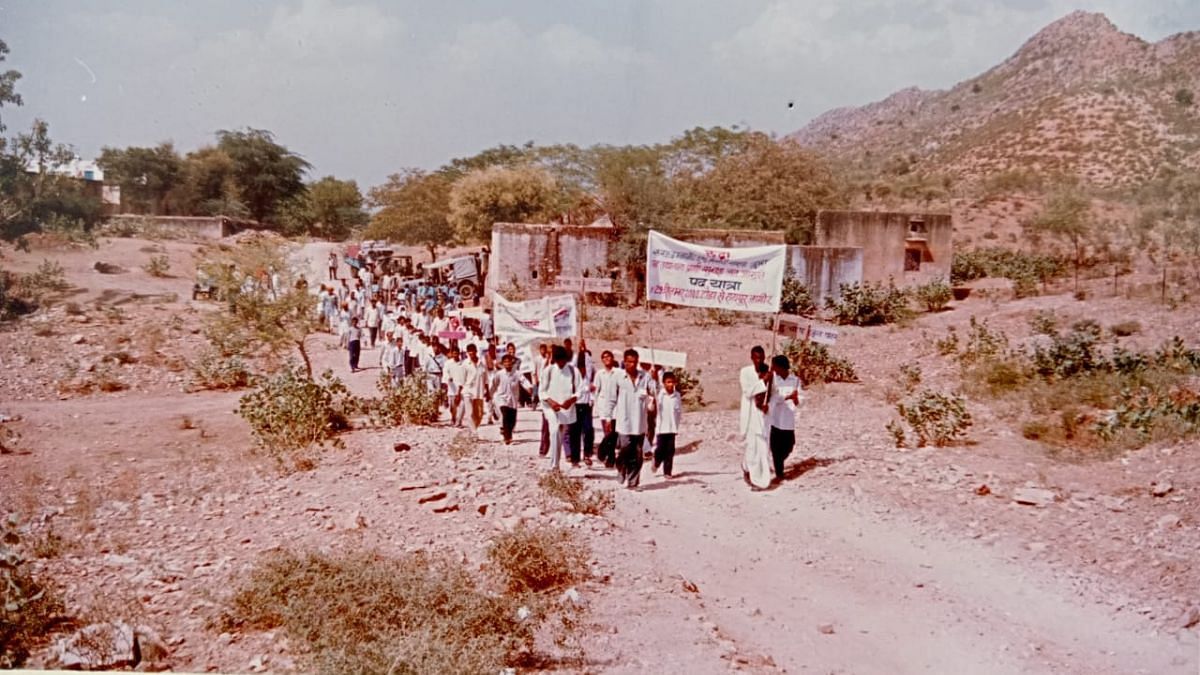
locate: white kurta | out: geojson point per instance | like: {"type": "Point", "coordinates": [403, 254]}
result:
{"type": "Point", "coordinates": [748, 380]}
{"type": "Point", "coordinates": [757, 461]}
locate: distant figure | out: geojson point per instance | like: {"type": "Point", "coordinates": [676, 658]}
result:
{"type": "Point", "coordinates": [333, 266]}
{"type": "Point", "coordinates": [354, 343]}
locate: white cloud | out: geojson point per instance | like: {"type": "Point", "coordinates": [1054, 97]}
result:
{"type": "Point", "coordinates": [483, 46]}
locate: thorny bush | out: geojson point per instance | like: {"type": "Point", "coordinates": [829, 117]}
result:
{"type": "Point", "coordinates": [690, 388]}
{"type": "Point", "coordinates": [814, 364]}
{"type": "Point", "coordinates": [407, 402]}
{"type": "Point", "coordinates": [867, 304]}
{"type": "Point", "coordinates": [796, 298]}
{"type": "Point", "coordinates": [575, 494]}
{"type": "Point", "coordinates": [28, 609]}
{"type": "Point", "coordinates": [290, 414]}
{"type": "Point", "coordinates": [935, 295]}
{"type": "Point", "coordinates": [933, 417]}
{"type": "Point", "coordinates": [537, 559]}
{"type": "Point", "coordinates": [365, 612]}
{"type": "Point", "coordinates": [214, 371]}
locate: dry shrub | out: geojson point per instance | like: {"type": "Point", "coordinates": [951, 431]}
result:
{"type": "Point", "coordinates": [462, 446]}
{"type": "Point", "coordinates": [575, 494]}
{"type": "Point", "coordinates": [214, 371]}
{"type": "Point", "coordinates": [407, 402]}
{"type": "Point", "coordinates": [1126, 328]}
{"type": "Point", "coordinates": [537, 559]}
{"type": "Point", "coordinates": [364, 612]}
{"type": "Point", "coordinates": [29, 610]}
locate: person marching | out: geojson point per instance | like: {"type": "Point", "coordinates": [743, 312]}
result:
{"type": "Point", "coordinates": [606, 406]}
{"type": "Point", "coordinates": [756, 463]}
{"type": "Point", "coordinates": [632, 403]}
{"type": "Point", "coordinates": [453, 376]}
{"type": "Point", "coordinates": [670, 413]}
{"type": "Point", "coordinates": [749, 379]}
{"type": "Point", "coordinates": [785, 396]}
{"type": "Point", "coordinates": [559, 389]}
{"type": "Point", "coordinates": [474, 387]}
{"type": "Point", "coordinates": [505, 394]}
{"type": "Point", "coordinates": [354, 343]}
{"type": "Point", "coordinates": [583, 433]}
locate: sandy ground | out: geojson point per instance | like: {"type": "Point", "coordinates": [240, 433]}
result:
{"type": "Point", "coordinates": [868, 559]}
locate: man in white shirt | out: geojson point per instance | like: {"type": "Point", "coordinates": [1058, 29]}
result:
{"type": "Point", "coordinates": [606, 405]}
{"type": "Point", "coordinates": [392, 360]}
{"type": "Point", "coordinates": [474, 387]}
{"type": "Point", "coordinates": [781, 412]}
{"type": "Point", "coordinates": [748, 379]}
{"type": "Point", "coordinates": [454, 374]}
{"type": "Point", "coordinates": [558, 389]}
{"type": "Point", "coordinates": [583, 433]}
{"type": "Point", "coordinates": [634, 398]}
{"type": "Point", "coordinates": [374, 321]}
{"type": "Point", "coordinates": [670, 413]}
{"type": "Point", "coordinates": [507, 384]}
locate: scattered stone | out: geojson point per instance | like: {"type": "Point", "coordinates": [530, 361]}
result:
{"type": "Point", "coordinates": [983, 490]}
{"type": "Point", "coordinates": [1115, 504]}
{"type": "Point", "coordinates": [1191, 618]}
{"type": "Point", "coordinates": [407, 487]}
{"type": "Point", "coordinates": [99, 646]}
{"type": "Point", "coordinates": [690, 587]}
{"type": "Point", "coordinates": [1037, 546]}
{"type": "Point", "coordinates": [151, 647]}
{"type": "Point", "coordinates": [649, 541]}
{"type": "Point", "coordinates": [1160, 488]}
{"type": "Point", "coordinates": [352, 521]}
{"type": "Point", "coordinates": [1033, 496]}
{"type": "Point", "coordinates": [258, 664]}
{"type": "Point", "coordinates": [825, 629]}
{"type": "Point", "coordinates": [78, 339]}
{"type": "Point", "coordinates": [571, 596]}
{"type": "Point", "coordinates": [401, 447]}
{"type": "Point", "coordinates": [108, 268]}
{"type": "Point", "coordinates": [447, 507]}
{"type": "Point", "coordinates": [1167, 522]}
{"type": "Point", "coordinates": [531, 513]}
{"type": "Point", "coordinates": [432, 497]}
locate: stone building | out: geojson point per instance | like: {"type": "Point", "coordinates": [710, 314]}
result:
{"type": "Point", "coordinates": [850, 246]}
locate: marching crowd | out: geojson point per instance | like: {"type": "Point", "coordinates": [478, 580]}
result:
{"type": "Point", "coordinates": [420, 330]}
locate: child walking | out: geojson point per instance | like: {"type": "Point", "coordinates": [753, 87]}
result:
{"type": "Point", "coordinates": [670, 412]}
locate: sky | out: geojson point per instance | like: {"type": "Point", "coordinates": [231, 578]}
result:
{"type": "Point", "coordinates": [364, 88]}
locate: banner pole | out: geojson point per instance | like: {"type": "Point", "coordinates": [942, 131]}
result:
{"type": "Point", "coordinates": [774, 332]}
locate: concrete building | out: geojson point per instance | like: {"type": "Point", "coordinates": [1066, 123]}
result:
{"type": "Point", "coordinates": [909, 248]}
{"type": "Point", "coordinates": [850, 247]}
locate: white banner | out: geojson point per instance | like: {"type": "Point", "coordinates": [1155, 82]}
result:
{"type": "Point", "coordinates": [531, 317]}
{"type": "Point", "coordinates": [743, 279]}
{"type": "Point", "coordinates": [661, 357]}
{"type": "Point", "coordinates": [553, 317]}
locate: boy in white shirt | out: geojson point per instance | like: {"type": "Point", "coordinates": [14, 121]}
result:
{"type": "Point", "coordinates": [670, 413]}
{"type": "Point", "coordinates": [781, 412]}
{"type": "Point", "coordinates": [506, 395]}
{"type": "Point", "coordinates": [454, 373]}
{"type": "Point", "coordinates": [558, 389]}
{"type": "Point", "coordinates": [634, 399]}
{"type": "Point", "coordinates": [606, 404]}
{"type": "Point", "coordinates": [474, 388]}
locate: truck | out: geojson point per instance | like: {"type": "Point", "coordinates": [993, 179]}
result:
{"type": "Point", "coordinates": [460, 272]}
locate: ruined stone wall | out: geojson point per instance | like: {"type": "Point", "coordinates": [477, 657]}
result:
{"type": "Point", "coordinates": [825, 269]}
{"type": "Point", "coordinates": [884, 237]}
{"type": "Point", "coordinates": [530, 257]}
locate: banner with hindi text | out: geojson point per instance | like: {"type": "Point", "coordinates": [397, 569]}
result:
{"type": "Point", "coordinates": [742, 279]}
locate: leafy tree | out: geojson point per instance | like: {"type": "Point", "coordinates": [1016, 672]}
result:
{"type": "Point", "coordinates": [770, 185]}
{"type": "Point", "coordinates": [32, 193]}
{"type": "Point", "coordinates": [208, 186]}
{"type": "Point", "coordinates": [500, 155]}
{"type": "Point", "coordinates": [414, 209]}
{"type": "Point", "coordinates": [146, 175]}
{"type": "Point", "coordinates": [500, 195]}
{"type": "Point", "coordinates": [8, 87]}
{"type": "Point", "coordinates": [260, 319]}
{"type": "Point", "coordinates": [1066, 216]}
{"type": "Point", "coordinates": [329, 208]}
{"type": "Point", "coordinates": [267, 173]}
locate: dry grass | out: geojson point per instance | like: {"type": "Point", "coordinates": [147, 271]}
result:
{"type": "Point", "coordinates": [573, 493]}
{"type": "Point", "coordinates": [537, 559]}
{"type": "Point", "coordinates": [462, 446]}
{"type": "Point", "coordinates": [365, 612]}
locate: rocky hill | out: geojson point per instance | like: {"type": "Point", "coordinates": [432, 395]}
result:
{"type": "Point", "coordinates": [1079, 98]}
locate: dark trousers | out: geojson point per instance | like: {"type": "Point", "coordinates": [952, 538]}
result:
{"type": "Point", "coordinates": [355, 349]}
{"type": "Point", "coordinates": [333, 274]}
{"type": "Point", "coordinates": [607, 452]}
{"type": "Point", "coordinates": [664, 453]}
{"type": "Point", "coordinates": [508, 422]}
{"type": "Point", "coordinates": [582, 433]}
{"type": "Point", "coordinates": [629, 460]}
{"type": "Point", "coordinates": [374, 334]}
{"type": "Point", "coordinates": [651, 418]}
{"type": "Point", "coordinates": [544, 447]}
{"type": "Point", "coordinates": [782, 441]}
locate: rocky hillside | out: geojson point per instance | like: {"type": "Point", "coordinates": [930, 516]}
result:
{"type": "Point", "coordinates": [1080, 97]}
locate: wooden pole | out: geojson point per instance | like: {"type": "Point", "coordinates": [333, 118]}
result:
{"type": "Point", "coordinates": [774, 332]}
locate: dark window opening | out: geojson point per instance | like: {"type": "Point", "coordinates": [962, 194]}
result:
{"type": "Point", "coordinates": [912, 260]}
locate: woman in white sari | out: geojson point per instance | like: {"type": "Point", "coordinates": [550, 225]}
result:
{"type": "Point", "coordinates": [756, 465]}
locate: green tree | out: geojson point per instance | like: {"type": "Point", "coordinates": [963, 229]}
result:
{"type": "Point", "coordinates": [208, 186]}
{"type": "Point", "coordinates": [267, 173]}
{"type": "Point", "coordinates": [1066, 216]}
{"type": "Point", "coordinates": [260, 320]}
{"type": "Point", "coordinates": [32, 193]}
{"type": "Point", "coordinates": [414, 209]}
{"type": "Point", "coordinates": [769, 185]}
{"type": "Point", "coordinates": [8, 87]}
{"type": "Point", "coordinates": [146, 175]}
{"type": "Point", "coordinates": [329, 208]}
{"type": "Point", "coordinates": [500, 155]}
{"type": "Point", "coordinates": [500, 195]}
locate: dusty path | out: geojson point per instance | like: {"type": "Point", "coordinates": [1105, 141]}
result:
{"type": "Point", "coordinates": [774, 568]}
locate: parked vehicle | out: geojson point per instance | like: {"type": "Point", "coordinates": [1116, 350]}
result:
{"type": "Point", "coordinates": [461, 272]}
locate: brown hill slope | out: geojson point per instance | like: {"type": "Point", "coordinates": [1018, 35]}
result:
{"type": "Point", "coordinates": [1080, 98]}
